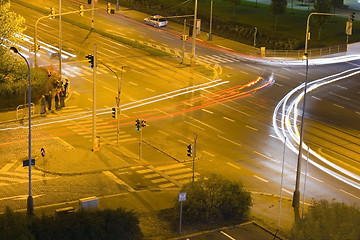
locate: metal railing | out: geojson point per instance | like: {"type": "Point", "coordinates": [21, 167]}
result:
{"type": "Point", "coordinates": [23, 108]}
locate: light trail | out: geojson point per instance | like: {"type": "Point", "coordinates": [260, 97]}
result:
{"type": "Point", "coordinates": [288, 126]}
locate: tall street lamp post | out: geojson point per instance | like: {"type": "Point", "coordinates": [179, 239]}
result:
{"type": "Point", "coordinates": [193, 55]}
{"type": "Point", "coordinates": [296, 196]}
{"type": "Point", "coordinates": [211, 13]}
{"type": "Point", "coordinates": [30, 202]}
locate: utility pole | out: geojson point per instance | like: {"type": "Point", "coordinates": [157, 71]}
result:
{"type": "Point", "coordinates": [93, 14]}
{"type": "Point", "coordinates": [60, 40]}
{"type": "Point", "coordinates": [211, 13]}
{"type": "Point", "coordinates": [184, 39]}
{"type": "Point", "coordinates": [95, 143]}
{"type": "Point", "coordinates": [193, 56]}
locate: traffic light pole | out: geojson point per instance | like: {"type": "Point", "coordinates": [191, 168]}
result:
{"type": "Point", "coordinates": [60, 40]}
{"type": "Point", "coordinates": [193, 55]}
{"type": "Point", "coordinates": [194, 156]}
{"type": "Point", "coordinates": [94, 143]}
{"type": "Point", "coordinates": [183, 46]}
{"type": "Point", "coordinates": [140, 145]}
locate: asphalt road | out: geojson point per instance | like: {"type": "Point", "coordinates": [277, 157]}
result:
{"type": "Point", "coordinates": [233, 121]}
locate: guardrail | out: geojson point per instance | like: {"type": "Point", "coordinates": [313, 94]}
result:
{"type": "Point", "coordinates": [298, 54]}
{"type": "Point", "coordinates": [24, 107]}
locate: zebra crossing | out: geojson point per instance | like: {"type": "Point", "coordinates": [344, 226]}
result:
{"type": "Point", "coordinates": [14, 173]}
{"type": "Point", "coordinates": [218, 59]}
{"type": "Point", "coordinates": [167, 176]}
{"type": "Point", "coordinates": [105, 129]}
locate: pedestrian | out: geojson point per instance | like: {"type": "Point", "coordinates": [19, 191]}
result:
{"type": "Point", "coordinates": [57, 100]}
{"type": "Point", "coordinates": [42, 105]}
{"type": "Point", "coordinates": [66, 86]}
{"type": "Point", "coordinates": [49, 100]}
{"type": "Point", "coordinates": [62, 98]}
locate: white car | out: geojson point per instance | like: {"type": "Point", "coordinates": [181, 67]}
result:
{"type": "Point", "coordinates": [156, 21]}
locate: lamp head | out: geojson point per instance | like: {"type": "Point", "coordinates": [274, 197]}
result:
{"type": "Point", "coordinates": [14, 50]}
{"type": "Point", "coordinates": [305, 56]}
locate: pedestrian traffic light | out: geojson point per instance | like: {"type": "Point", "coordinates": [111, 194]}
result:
{"type": "Point", "coordinates": [81, 10]}
{"type": "Point", "coordinates": [352, 17]}
{"type": "Point", "coordinates": [89, 1]}
{"type": "Point", "coordinates": [91, 60]}
{"type": "Point", "coordinates": [52, 12]}
{"type": "Point", "coordinates": [137, 124]}
{"type": "Point", "coordinates": [189, 150]}
{"type": "Point", "coordinates": [108, 5]}
{"type": "Point", "coordinates": [115, 113]}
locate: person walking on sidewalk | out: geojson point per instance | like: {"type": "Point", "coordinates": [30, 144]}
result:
{"type": "Point", "coordinates": [57, 100]}
{"type": "Point", "coordinates": [42, 105]}
{"type": "Point", "coordinates": [48, 98]}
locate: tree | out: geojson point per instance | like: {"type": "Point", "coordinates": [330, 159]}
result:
{"type": "Point", "coordinates": [337, 4]}
{"type": "Point", "coordinates": [215, 199]}
{"type": "Point", "coordinates": [328, 221]}
{"type": "Point", "coordinates": [321, 6]}
{"type": "Point", "coordinates": [233, 3]}
{"type": "Point", "coordinates": [278, 7]}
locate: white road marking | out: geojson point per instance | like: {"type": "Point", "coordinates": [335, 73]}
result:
{"type": "Point", "coordinates": [118, 180]}
{"type": "Point", "coordinates": [233, 165]}
{"type": "Point", "coordinates": [316, 98]}
{"type": "Point", "coordinates": [207, 153]}
{"type": "Point", "coordinates": [111, 90]}
{"type": "Point", "coordinates": [132, 83]}
{"type": "Point", "coordinates": [302, 74]}
{"type": "Point", "coordinates": [231, 120]}
{"type": "Point", "coordinates": [337, 95]}
{"type": "Point", "coordinates": [287, 191]}
{"type": "Point", "coordinates": [166, 134]}
{"type": "Point", "coordinates": [90, 99]}
{"type": "Point", "coordinates": [339, 106]}
{"type": "Point", "coordinates": [266, 157]}
{"type": "Point", "coordinates": [341, 87]}
{"type": "Point", "coordinates": [229, 67]}
{"type": "Point", "coordinates": [229, 140]}
{"type": "Point", "coordinates": [183, 141]}
{"type": "Point", "coordinates": [358, 112]}
{"type": "Point", "coordinates": [244, 72]}
{"type": "Point", "coordinates": [253, 67]}
{"type": "Point", "coordinates": [255, 129]}
{"type": "Point", "coordinates": [149, 89]}
{"type": "Point", "coordinates": [76, 93]}
{"type": "Point", "coordinates": [261, 179]}
{"type": "Point", "coordinates": [282, 76]}
{"type": "Point", "coordinates": [227, 235]}
{"type": "Point", "coordinates": [207, 111]}
{"type": "Point", "coordinates": [194, 125]}
{"type": "Point", "coordinates": [349, 194]}
{"type": "Point", "coordinates": [278, 84]}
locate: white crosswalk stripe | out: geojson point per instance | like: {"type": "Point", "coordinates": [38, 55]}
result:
{"type": "Point", "coordinates": [218, 59]}
{"type": "Point", "coordinates": [179, 172]}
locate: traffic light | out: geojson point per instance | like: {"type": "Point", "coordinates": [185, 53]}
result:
{"type": "Point", "coordinates": [52, 12]}
{"type": "Point", "coordinates": [189, 150]}
{"type": "Point", "coordinates": [89, 1]}
{"type": "Point", "coordinates": [143, 123]}
{"type": "Point", "coordinates": [37, 47]}
{"type": "Point", "coordinates": [108, 5]}
{"type": "Point", "coordinates": [91, 60]}
{"type": "Point", "coordinates": [352, 17]}
{"type": "Point", "coordinates": [115, 113]}
{"type": "Point", "coordinates": [137, 124]}
{"type": "Point", "coordinates": [81, 10]}
{"type": "Point", "coordinates": [184, 37]}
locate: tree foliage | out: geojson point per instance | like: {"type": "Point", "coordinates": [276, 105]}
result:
{"type": "Point", "coordinates": [328, 221]}
{"type": "Point", "coordinates": [322, 6]}
{"type": "Point", "coordinates": [278, 7]}
{"type": "Point", "coordinates": [215, 199]}
{"type": "Point", "coordinates": [109, 224]}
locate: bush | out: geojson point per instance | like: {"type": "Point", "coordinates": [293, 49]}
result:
{"type": "Point", "coordinates": [328, 221]}
{"type": "Point", "coordinates": [214, 200]}
{"type": "Point", "coordinates": [109, 224]}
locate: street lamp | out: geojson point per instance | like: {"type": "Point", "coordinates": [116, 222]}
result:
{"type": "Point", "coordinates": [30, 202]}
{"type": "Point", "coordinates": [296, 196]}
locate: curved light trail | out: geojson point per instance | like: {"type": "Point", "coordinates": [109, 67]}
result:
{"type": "Point", "coordinates": [285, 125]}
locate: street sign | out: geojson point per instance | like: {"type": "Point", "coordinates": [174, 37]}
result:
{"type": "Point", "coordinates": [26, 162]}
{"type": "Point", "coordinates": [42, 152]}
{"type": "Point", "coordinates": [182, 196]}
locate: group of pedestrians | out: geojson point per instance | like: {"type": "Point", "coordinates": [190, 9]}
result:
{"type": "Point", "coordinates": [61, 91]}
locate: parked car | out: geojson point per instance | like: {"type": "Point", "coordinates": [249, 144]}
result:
{"type": "Point", "coordinates": [156, 21]}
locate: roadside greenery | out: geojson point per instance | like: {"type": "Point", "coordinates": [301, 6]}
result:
{"type": "Point", "coordinates": [108, 224]}
{"type": "Point", "coordinates": [290, 30]}
{"type": "Point", "coordinates": [214, 200]}
{"type": "Point", "coordinates": [326, 220]}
